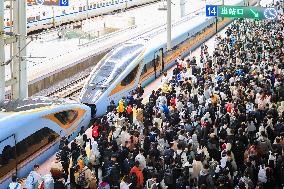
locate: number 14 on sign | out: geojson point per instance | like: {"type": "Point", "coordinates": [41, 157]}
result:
{"type": "Point", "coordinates": [211, 10]}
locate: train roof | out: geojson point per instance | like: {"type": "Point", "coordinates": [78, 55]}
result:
{"type": "Point", "coordinates": [32, 103]}
{"type": "Point", "coordinates": [190, 26]}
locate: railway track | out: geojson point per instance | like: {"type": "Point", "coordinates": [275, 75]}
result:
{"type": "Point", "coordinates": [70, 90]}
{"type": "Point", "coordinates": [43, 31]}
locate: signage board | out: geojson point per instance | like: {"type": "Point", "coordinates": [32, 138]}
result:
{"type": "Point", "coordinates": [253, 12]}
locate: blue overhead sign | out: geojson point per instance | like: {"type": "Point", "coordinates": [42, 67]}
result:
{"type": "Point", "coordinates": [211, 10]}
{"type": "Point", "coordinates": [63, 2]}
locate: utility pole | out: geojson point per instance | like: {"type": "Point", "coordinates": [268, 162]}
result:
{"type": "Point", "coordinates": [19, 72]}
{"type": "Point", "coordinates": [2, 53]}
{"type": "Point", "coordinates": [169, 26]}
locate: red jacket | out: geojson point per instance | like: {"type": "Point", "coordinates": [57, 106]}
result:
{"type": "Point", "coordinates": [139, 174]}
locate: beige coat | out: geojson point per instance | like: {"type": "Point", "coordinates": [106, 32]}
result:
{"type": "Point", "coordinates": [196, 166]}
{"type": "Point", "coordinates": [139, 116]}
{"type": "Point", "coordinates": [88, 176]}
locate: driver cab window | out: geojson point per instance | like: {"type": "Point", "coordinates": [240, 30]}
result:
{"type": "Point", "coordinates": [130, 77]}
{"type": "Point", "coordinates": [66, 117]}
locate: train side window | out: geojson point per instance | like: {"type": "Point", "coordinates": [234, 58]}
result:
{"type": "Point", "coordinates": [66, 117]}
{"type": "Point", "coordinates": [80, 8]}
{"type": "Point", "coordinates": [130, 77]}
{"type": "Point", "coordinates": [95, 5]}
{"type": "Point", "coordinates": [25, 149]}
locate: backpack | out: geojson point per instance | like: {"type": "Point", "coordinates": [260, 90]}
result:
{"type": "Point", "coordinates": [263, 147]}
{"type": "Point", "coordinates": [168, 177]}
{"type": "Point", "coordinates": [153, 137]}
{"type": "Point", "coordinates": [180, 183]}
{"type": "Point", "coordinates": [223, 133]}
{"type": "Point", "coordinates": [81, 180]}
{"type": "Point", "coordinates": [168, 155]}
{"type": "Point", "coordinates": [30, 182]}
{"type": "Point", "coordinates": [133, 179]}
{"type": "Point", "coordinates": [150, 184]}
{"type": "Point", "coordinates": [95, 132]}
{"type": "Point", "coordinates": [113, 174]}
{"type": "Point", "coordinates": [202, 179]}
{"type": "Point", "coordinates": [178, 159]}
{"type": "Point", "coordinates": [148, 171]}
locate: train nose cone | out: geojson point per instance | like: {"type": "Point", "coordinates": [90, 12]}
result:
{"type": "Point", "coordinates": [90, 96]}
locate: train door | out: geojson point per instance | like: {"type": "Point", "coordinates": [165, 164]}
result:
{"type": "Point", "coordinates": [8, 156]}
{"type": "Point", "coordinates": [158, 62]}
{"type": "Point", "coordinates": [162, 59]}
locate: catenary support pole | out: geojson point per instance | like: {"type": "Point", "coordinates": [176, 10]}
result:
{"type": "Point", "coordinates": [23, 80]}
{"type": "Point", "coordinates": [19, 72]}
{"type": "Point", "coordinates": [2, 53]}
{"type": "Point", "coordinates": [182, 8]}
{"type": "Point", "coordinates": [169, 25]}
{"type": "Point", "coordinates": [87, 9]}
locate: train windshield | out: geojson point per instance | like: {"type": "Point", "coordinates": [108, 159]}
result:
{"type": "Point", "coordinates": [114, 63]}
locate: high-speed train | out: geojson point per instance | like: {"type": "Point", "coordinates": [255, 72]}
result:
{"type": "Point", "coordinates": [31, 130]}
{"type": "Point", "coordinates": [42, 15]}
{"type": "Point", "coordinates": [140, 62]}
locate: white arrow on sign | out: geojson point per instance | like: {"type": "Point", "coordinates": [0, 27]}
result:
{"type": "Point", "coordinates": [255, 13]}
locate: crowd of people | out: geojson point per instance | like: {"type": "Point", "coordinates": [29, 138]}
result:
{"type": "Point", "coordinates": [215, 123]}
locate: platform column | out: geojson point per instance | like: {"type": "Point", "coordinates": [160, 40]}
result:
{"type": "Point", "coordinates": [169, 25]}
{"type": "Point", "coordinates": [2, 53]}
{"type": "Point", "coordinates": [19, 72]}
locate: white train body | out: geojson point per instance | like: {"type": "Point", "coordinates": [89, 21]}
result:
{"type": "Point", "coordinates": [123, 68]}
{"type": "Point", "coordinates": [35, 126]}
{"type": "Point", "coordinates": [44, 16]}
